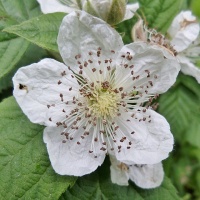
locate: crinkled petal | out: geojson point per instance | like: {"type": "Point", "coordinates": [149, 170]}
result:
{"type": "Point", "coordinates": [51, 6]}
{"type": "Point", "coordinates": [38, 88]}
{"type": "Point", "coordinates": [183, 30]}
{"type": "Point", "coordinates": [147, 176]}
{"type": "Point", "coordinates": [146, 68]}
{"type": "Point", "coordinates": [188, 68]}
{"type": "Point", "coordinates": [148, 137]}
{"type": "Point", "coordinates": [118, 172]}
{"type": "Point", "coordinates": [81, 33]}
{"type": "Point", "coordinates": [71, 157]}
{"type": "Point", "coordinates": [130, 10]}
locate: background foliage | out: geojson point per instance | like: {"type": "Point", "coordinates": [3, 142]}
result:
{"type": "Point", "coordinates": [25, 170]}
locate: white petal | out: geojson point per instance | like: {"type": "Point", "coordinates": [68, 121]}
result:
{"type": "Point", "coordinates": [36, 86]}
{"type": "Point", "coordinates": [81, 33]}
{"type": "Point", "coordinates": [130, 10]}
{"type": "Point", "coordinates": [119, 174]}
{"type": "Point", "coordinates": [51, 6]}
{"type": "Point", "coordinates": [183, 30]}
{"type": "Point", "coordinates": [151, 138]}
{"type": "Point", "coordinates": [70, 158]}
{"type": "Point", "coordinates": [147, 176]}
{"type": "Point", "coordinates": [147, 58]}
{"type": "Point", "coordinates": [188, 68]}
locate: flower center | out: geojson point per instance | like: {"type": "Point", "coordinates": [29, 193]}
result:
{"type": "Point", "coordinates": [103, 103]}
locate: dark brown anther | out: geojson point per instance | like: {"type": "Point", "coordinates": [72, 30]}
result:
{"type": "Point", "coordinates": [78, 56]}
{"type": "Point", "coordinates": [108, 68]}
{"type": "Point", "coordinates": [61, 96]}
{"type": "Point", "coordinates": [103, 149]}
{"type": "Point", "coordinates": [129, 57]}
{"type": "Point", "coordinates": [63, 73]}
{"type": "Point", "coordinates": [125, 65]}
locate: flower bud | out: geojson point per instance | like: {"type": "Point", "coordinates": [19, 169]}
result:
{"type": "Point", "coordinates": [138, 32]}
{"type": "Point", "coordinates": [111, 11]}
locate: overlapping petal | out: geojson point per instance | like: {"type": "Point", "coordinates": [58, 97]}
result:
{"type": "Point", "coordinates": [81, 33]}
{"type": "Point", "coordinates": [39, 86]}
{"type": "Point", "coordinates": [51, 6]}
{"type": "Point", "coordinates": [149, 134]}
{"type": "Point", "coordinates": [188, 68]}
{"type": "Point", "coordinates": [147, 176]}
{"type": "Point", "coordinates": [130, 10]}
{"type": "Point", "coordinates": [147, 68]}
{"type": "Point", "coordinates": [69, 157]}
{"type": "Point", "coordinates": [183, 30]}
{"type": "Point", "coordinates": [144, 176]}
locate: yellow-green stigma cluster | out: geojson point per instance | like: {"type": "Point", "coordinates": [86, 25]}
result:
{"type": "Point", "coordinates": [103, 103]}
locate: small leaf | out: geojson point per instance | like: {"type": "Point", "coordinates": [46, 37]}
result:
{"type": "Point", "coordinates": [98, 186]}
{"type": "Point", "coordinates": [10, 55]}
{"type": "Point", "coordinates": [42, 30]}
{"type": "Point", "coordinates": [25, 170]}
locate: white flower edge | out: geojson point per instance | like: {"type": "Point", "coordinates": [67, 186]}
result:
{"type": "Point", "coordinates": [183, 30]}
{"type": "Point", "coordinates": [144, 176]}
{"type": "Point", "coordinates": [188, 68]}
{"type": "Point", "coordinates": [36, 86]}
{"type": "Point", "coordinates": [130, 10]}
{"type": "Point", "coordinates": [69, 158]}
{"type": "Point", "coordinates": [52, 6]}
{"type": "Point", "coordinates": [151, 142]}
{"type": "Point", "coordinates": [81, 32]}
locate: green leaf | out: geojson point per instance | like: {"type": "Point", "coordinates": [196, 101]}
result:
{"type": "Point", "coordinates": [180, 105]}
{"type": "Point", "coordinates": [28, 58]}
{"type": "Point", "coordinates": [10, 55]}
{"type": "Point", "coordinates": [12, 48]}
{"type": "Point", "coordinates": [41, 30]}
{"type": "Point", "coordinates": [159, 14]}
{"type": "Point", "coordinates": [98, 186]}
{"type": "Point", "coordinates": [195, 5]}
{"type": "Point", "coordinates": [25, 170]}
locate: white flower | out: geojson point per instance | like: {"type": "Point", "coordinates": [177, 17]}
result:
{"type": "Point", "coordinates": [99, 8]}
{"type": "Point", "coordinates": [144, 176]}
{"type": "Point", "coordinates": [184, 33]}
{"type": "Point", "coordinates": [99, 107]}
